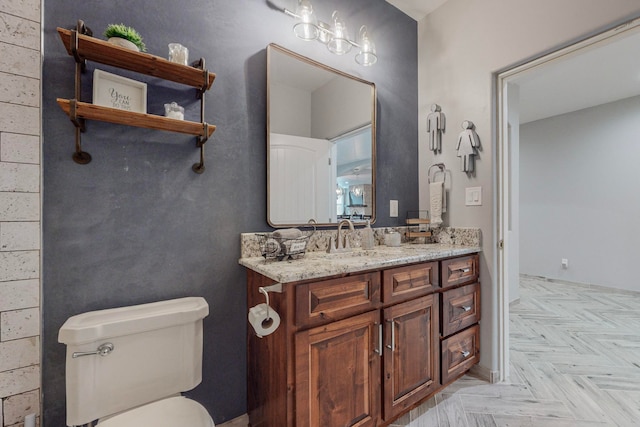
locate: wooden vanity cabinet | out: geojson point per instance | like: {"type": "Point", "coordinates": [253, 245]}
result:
{"type": "Point", "coordinates": [355, 350]}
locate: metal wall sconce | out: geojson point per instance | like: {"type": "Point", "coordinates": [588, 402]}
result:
{"type": "Point", "coordinates": [335, 36]}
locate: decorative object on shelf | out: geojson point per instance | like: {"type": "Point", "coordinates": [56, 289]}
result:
{"type": "Point", "coordinates": [113, 91]}
{"type": "Point", "coordinates": [468, 143]}
{"type": "Point", "coordinates": [335, 36]}
{"type": "Point", "coordinates": [435, 127]}
{"type": "Point", "coordinates": [174, 111]}
{"type": "Point", "coordinates": [123, 36]}
{"type": "Point", "coordinates": [80, 44]}
{"type": "Point", "coordinates": [178, 54]}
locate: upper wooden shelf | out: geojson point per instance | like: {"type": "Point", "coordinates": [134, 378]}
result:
{"type": "Point", "coordinates": [97, 50]}
{"type": "Point", "coordinates": [150, 121]}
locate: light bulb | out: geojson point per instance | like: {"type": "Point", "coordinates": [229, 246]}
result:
{"type": "Point", "coordinates": [367, 55]}
{"type": "Point", "coordinates": [339, 43]}
{"type": "Point", "coordinates": [307, 28]}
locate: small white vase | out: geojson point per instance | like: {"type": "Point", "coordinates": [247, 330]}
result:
{"type": "Point", "coordinates": [118, 41]}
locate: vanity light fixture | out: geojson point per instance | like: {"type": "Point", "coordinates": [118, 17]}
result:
{"type": "Point", "coordinates": [335, 36]}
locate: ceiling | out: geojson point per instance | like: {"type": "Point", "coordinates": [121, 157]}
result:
{"type": "Point", "coordinates": [417, 9]}
{"type": "Point", "coordinates": [604, 73]}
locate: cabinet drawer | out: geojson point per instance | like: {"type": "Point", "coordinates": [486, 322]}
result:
{"type": "Point", "coordinates": [460, 308]}
{"type": "Point", "coordinates": [404, 283]}
{"type": "Point", "coordinates": [329, 300]}
{"type": "Point", "coordinates": [458, 271]}
{"type": "Point", "coordinates": [459, 353]}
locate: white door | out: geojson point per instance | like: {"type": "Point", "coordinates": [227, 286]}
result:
{"type": "Point", "coordinates": [301, 180]}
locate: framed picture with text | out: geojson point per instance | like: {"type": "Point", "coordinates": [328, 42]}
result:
{"type": "Point", "coordinates": [111, 90]}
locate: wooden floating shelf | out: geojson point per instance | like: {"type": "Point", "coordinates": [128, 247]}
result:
{"type": "Point", "coordinates": [88, 111]}
{"type": "Point", "coordinates": [413, 234]}
{"type": "Point", "coordinates": [97, 50]}
{"type": "Point", "coordinates": [416, 221]}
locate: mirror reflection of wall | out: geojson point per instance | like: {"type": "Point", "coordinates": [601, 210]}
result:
{"type": "Point", "coordinates": [321, 142]}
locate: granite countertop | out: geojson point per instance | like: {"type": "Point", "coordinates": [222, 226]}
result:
{"type": "Point", "coordinates": [318, 264]}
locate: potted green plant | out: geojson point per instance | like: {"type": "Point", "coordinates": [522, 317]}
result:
{"type": "Point", "coordinates": [127, 37]}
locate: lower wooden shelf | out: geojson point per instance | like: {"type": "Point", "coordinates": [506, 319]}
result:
{"type": "Point", "coordinates": [88, 111]}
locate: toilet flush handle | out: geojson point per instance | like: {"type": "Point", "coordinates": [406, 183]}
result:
{"type": "Point", "coordinates": [104, 350]}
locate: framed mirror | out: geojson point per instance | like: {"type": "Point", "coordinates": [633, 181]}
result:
{"type": "Point", "coordinates": [321, 139]}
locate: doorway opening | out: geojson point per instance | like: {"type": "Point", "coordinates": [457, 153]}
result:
{"type": "Point", "coordinates": [569, 80]}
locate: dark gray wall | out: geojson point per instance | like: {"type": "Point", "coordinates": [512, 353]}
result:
{"type": "Point", "coordinates": [137, 225]}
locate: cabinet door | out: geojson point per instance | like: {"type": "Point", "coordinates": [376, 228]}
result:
{"type": "Point", "coordinates": [411, 353]}
{"type": "Point", "coordinates": [338, 373]}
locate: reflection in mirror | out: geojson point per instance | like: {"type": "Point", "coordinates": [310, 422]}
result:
{"type": "Point", "coordinates": [320, 142]}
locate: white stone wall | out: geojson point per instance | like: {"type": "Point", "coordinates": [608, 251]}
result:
{"type": "Point", "coordinates": [20, 211]}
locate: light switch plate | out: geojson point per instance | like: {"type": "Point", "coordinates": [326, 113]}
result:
{"type": "Point", "coordinates": [393, 208]}
{"type": "Point", "coordinates": [473, 196]}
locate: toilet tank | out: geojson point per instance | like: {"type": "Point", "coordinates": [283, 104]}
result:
{"type": "Point", "coordinates": [157, 352]}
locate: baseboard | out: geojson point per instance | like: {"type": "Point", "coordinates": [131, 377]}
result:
{"type": "Point", "coordinates": [582, 285]}
{"type": "Point", "coordinates": [485, 374]}
{"type": "Point", "coordinates": [241, 421]}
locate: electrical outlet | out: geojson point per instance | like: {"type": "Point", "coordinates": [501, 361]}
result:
{"type": "Point", "coordinates": [565, 263]}
{"type": "Point", "coordinates": [393, 208]}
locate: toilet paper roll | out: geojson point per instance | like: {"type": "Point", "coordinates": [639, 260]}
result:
{"type": "Point", "coordinates": [260, 323]}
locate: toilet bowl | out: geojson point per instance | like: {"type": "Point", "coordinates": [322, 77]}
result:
{"type": "Point", "coordinates": [127, 366]}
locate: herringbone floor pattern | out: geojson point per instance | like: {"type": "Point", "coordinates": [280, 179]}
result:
{"type": "Point", "coordinates": [575, 361]}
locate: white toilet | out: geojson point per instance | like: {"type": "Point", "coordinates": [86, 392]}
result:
{"type": "Point", "coordinates": [126, 367]}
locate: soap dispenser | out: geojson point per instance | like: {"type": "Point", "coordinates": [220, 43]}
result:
{"type": "Point", "coordinates": [368, 242]}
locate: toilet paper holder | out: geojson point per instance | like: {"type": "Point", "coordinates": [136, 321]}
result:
{"type": "Point", "coordinates": [276, 287]}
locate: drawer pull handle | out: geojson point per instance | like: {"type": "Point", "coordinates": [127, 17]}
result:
{"type": "Point", "coordinates": [465, 354]}
{"type": "Point", "coordinates": [466, 308]}
{"type": "Point", "coordinates": [378, 350]}
{"type": "Point", "coordinates": [465, 269]}
{"type": "Point", "coordinates": [393, 335]}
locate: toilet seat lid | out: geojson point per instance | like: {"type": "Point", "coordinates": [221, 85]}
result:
{"type": "Point", "coordinates": [175, 411]}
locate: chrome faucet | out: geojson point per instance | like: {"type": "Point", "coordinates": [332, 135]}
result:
{"type": "Point", "coordinates": [340, 244]}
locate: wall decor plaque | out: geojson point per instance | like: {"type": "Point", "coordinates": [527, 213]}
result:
{"type": "Point", "coordinates": [111, 90]}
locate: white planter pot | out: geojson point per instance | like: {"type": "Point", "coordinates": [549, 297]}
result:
{"type": "Point", "coordinates": [123, 43]}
